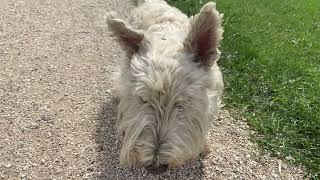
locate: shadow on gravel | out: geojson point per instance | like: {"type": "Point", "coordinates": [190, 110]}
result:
{"type": "Point", "coordinates": [108, 153]}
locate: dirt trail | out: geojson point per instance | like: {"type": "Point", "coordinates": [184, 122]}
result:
{"type": "Point", "coordinates": [58, 102]}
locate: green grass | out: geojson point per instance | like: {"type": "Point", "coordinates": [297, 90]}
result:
{"type": "Point", "coordinates": [271, 64]}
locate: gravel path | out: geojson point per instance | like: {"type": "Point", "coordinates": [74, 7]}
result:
{"type": "Point", "coordinates": [58, 103]}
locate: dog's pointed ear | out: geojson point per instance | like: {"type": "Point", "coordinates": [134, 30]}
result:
{"type": "Point", "coordinates": [128, 38]}
{"type": "Point", "coordinates": [205, 35]}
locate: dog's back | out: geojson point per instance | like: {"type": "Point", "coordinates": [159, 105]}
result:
{"type": "Point", "coordinates": [164, 26]}
{"type": "Point", "coordinates": [157, 15]}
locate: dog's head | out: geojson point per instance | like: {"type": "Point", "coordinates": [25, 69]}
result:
{"type": "Point", "coordinates": [165, 93]}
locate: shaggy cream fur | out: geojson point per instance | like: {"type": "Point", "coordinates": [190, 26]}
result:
{"type": "Point", "coordinates": [170, 83]}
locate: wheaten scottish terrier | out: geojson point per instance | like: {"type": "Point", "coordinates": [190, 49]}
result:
{"type": "Point", "coordinates": [170, 83]}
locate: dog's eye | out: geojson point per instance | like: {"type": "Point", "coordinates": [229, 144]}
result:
{"type": "Point", "coordinates": [179, 107]}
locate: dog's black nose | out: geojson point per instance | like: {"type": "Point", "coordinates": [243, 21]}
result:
{"type": "Point", "coordinates": [157, 170]}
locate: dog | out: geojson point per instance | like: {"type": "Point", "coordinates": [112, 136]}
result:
{"type": "Point", "coordinates": [170, 83]}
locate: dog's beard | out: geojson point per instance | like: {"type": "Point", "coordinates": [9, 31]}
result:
{"type": "Point", "coordinates": [153, 140]}
{"type": "Point", "coordinates": [138, 144]}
